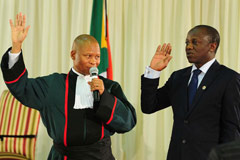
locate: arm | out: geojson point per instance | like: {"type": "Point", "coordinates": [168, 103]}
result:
{"type": "Point", "coordinates": [19, 33]}
{"type": "Point", "coordinates": [152, 98]}
{"type": "Point", "coordinates": [29, 92]}
{"type": "Point", "coordinates": [230, 114]}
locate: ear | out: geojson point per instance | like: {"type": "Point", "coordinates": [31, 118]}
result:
{"type": "Point", "coordinates": [73, 53]}
{"type": "Point", "coordinates": [213, 47]}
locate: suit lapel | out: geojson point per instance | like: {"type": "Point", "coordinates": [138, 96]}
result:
{"type": "Point", "coordinates": [205, 84]}
{"type": "Point", "coordinates": [184, 94]}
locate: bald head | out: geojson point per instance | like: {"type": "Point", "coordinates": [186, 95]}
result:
{"type": "Point", "coordinates": [85, 53]}
{"type": "Point", "coordinates": [83, 40]}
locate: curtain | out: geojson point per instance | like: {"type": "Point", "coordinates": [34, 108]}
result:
{"type": "Point", "coordinates": [136, 27]}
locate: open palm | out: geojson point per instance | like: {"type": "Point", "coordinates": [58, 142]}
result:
{"type": "Point", "coordinates": [19, 32]}
{"type": "Point", "coordinates": [161, 57]}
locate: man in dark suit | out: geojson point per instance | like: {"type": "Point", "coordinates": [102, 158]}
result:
{"type": "Point", "coordinates": [227, 151]}
{"type": "Point", "coordinates": [205, 97]}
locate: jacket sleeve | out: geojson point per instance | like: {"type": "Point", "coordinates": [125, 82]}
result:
{"type": "Point", "coordinates": [230, 114]}
{"type": "Point", "coordinates": [29, 92]}
{"type": "Point", "coordinates": [115, 110]}
{"type": "Point", "coordinates": [152, 97]}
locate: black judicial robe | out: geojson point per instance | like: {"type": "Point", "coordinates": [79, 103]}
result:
{"type": "Point", "coordinates": [54, 97]}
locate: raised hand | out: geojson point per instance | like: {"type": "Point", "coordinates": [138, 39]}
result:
{"type": "Point", "coordinates": [19, 32]}
{"type": "Point", "coordinates": [161, 57]}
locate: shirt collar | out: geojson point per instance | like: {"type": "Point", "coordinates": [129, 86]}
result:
{"type": "Point", "coordinates": [205, 67]}
{"type": "Point", "coordinates": [87, 77]}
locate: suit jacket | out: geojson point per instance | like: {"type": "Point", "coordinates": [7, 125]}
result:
{"type": "Point", "coordinates": [228, 151]}
{"type": "Point", "coordinates": [54, 97]}
{"type": "Point", "coordinates": [213, 119]}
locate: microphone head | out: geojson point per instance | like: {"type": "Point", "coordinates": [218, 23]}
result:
{"type": "Point", "coordinates": [93, 71]}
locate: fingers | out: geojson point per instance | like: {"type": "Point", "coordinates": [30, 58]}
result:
{"type": "Point", "coordinates": [164, 50]}
{"type": "Point", "coordinates": [167, 59]}
{"type": "Point", "coordinates": [11, 23]}
{"type": "Point", "coordinates": [24, 21]}
{"type": "Point", "coordinates": [97, 84]}
{"type": "Point", "coordinates": [26, 30]}
{"type": "Point", "coordinates": [158, 49]}
{"type": "Point", "coordinates": [16, 20]}
{"type": "Point", "coordinates": [163, 47]}
{"type": "Point", "coordinates": [168, 49]}
{"type": "Point", "coordinates": [19, 21]}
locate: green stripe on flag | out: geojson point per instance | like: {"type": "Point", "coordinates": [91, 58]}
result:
{"type": "Point", "coordinates": [96, 31]}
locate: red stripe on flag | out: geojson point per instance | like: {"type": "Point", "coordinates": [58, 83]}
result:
{"type": "Point", "coordinates": [109, 69]}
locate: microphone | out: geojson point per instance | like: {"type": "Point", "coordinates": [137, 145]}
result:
{"type": "Point", "coordinates": [94, 74]}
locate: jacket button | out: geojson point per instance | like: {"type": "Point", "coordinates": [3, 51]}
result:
{"type": "Point", "coordinates": [186, 121]}
{"type": "Point", "coordinates": [184, 141]}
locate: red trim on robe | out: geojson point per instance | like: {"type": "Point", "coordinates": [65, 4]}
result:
{"type": "Point", "coordinates": [66, 111]}
{"type": "Point", "coordinates": [112, 111]}
{"type": "Point", "coordinates": [102, 132]}
{"type": "Point", "coordinates": [9, 82]}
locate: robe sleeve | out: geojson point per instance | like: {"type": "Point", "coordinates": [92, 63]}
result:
{"type": "Point", "coordinates": [30, 92]}
{"type": "Point", "coordinates": [115, 110]}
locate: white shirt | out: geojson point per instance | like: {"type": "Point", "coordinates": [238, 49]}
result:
{"type": "Point", "coordinates": [83, 94]}
{"type": "Point", "coordinates": [204, 70]}
{"type": "Point", "coordinates": [153, 74]}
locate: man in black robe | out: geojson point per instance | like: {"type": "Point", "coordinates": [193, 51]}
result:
{"type": "Point", "coordinates": [80, 129]}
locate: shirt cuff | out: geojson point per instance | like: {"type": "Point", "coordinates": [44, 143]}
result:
{"type": "Point", "coordinates": [13, 58]}
{"type": "Point", "coordinates": [151, 73]}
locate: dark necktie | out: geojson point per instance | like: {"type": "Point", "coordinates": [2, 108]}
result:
{"type": "Point", "coordinates": [192, 87]}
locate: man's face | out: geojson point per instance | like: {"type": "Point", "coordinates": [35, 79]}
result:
{"type": "Point", "coordinates": [198, 48]}
{"type": "Point", "coordinates": [87, 56]}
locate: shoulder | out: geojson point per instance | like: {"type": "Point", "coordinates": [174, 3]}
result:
{"type": "Point", "coordinates": [230, 76]}
{"type": "Point", "coordinates": [54, 77]}
{"type": "Point", "coordinates": [181, 72]}
{"type": "Point", "coordinates": [109, 83]}
{"type": "Point", "coordinates": [228, 71]}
